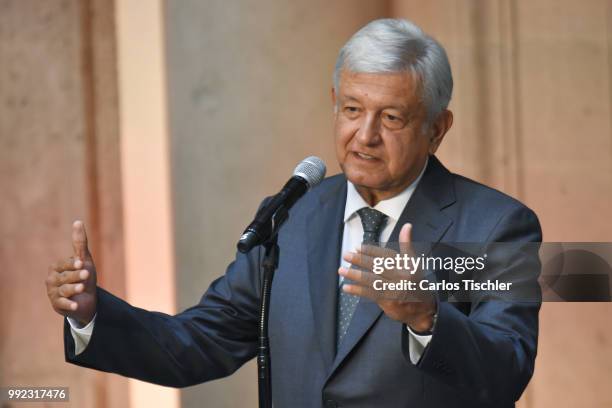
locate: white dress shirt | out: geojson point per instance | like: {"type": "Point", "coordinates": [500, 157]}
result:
{"type": "Point", "coordinates": [81, 335]}
{"type": "Point", "coordinates": [351, 240]}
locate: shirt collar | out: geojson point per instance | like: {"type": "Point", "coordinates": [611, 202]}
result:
{"type": "Point", "coordinates": [391, 207]}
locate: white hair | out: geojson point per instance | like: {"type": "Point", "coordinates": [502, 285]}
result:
{"type": "Point", "coordinates": [395, 45]}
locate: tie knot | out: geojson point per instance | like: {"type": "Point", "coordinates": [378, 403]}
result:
{"type": "Point", "coordinates": [373, 221]}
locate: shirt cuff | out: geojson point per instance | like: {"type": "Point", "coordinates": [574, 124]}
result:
{"type": "Point", "coordinates": [80, 334]}
{"type": "Point", "coordinates": [417, 344]}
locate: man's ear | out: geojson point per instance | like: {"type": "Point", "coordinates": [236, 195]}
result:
{"type": "Point", "coordinates": [439, 128]}
{"type": "Point", "coordinates": [333, 97]}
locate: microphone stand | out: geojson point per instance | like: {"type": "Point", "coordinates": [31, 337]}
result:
{"type": "Point", "coordinates": [269, 265]}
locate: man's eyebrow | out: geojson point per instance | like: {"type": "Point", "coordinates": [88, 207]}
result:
{"type": "Point", "coordinates": [349, 97]}
{"type": "Point", "coordinates": [399, 105]}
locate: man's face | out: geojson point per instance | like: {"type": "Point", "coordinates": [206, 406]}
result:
{"type": "Point", "coordinates": [381, 141]}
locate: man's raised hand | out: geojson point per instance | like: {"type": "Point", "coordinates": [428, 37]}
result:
{"type": "Point", "coordinates": [415, 308]}
{"type": "Point", "coordinates": [71, 283]}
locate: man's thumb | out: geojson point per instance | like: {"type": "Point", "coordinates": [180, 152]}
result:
{"type": "Point", "coordinates": [79, 240]}
{"type": "Point", "coordinates": [405, 237]}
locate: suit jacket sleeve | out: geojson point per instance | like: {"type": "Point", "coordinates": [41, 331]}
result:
{"type": "Point", "coordinates": [489, 352]}
{"type": "Point", "coordinates": [207, 341]}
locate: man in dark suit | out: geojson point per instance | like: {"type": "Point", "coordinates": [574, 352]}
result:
{"type": "Point", "coordinates": [333, 343]}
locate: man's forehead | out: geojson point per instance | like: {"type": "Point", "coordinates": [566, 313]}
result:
{"type": "Point", "coordinates": [399, 87]}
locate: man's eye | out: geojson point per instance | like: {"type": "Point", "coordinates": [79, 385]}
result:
{"type": "Point", "coordinates": [351, 112]}
{"type": "Point", "coordinates": [392, 121]}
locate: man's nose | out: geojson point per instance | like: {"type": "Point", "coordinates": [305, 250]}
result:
{"type": "Point", "coordinates": [369, 131]}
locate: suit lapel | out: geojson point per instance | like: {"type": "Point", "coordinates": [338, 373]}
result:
{"type": "Point", "coordinates": [324, 240]}
{"type": "Point", "coordinates": [434, 192]}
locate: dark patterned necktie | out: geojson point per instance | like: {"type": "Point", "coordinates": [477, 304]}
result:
{"type": "Point", "coordinates": [373, 222]}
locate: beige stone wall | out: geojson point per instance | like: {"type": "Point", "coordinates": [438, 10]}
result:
{"type": "Point", "coordinates": [58, 161]}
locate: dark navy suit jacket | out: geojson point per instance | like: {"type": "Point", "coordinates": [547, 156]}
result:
{"type": "Point", "coordinates": [481, 354]}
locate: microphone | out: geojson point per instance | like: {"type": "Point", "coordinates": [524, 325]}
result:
{"type": "Point", "coordinates": [306, 175]}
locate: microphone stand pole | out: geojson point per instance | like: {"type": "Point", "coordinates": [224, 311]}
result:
{"type": "Point", "coordinates": [269, 265]}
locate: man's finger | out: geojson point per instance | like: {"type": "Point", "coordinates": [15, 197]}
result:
{"type": "Point", "coordinates": [376, 251]}
{"type": "Point", "coordinates": [73, 276]}
{"type": "Point", "coordinates": [386, 295]}
{"type": "Point", "coordinates": [79, 240]}
{"type": "Point", "coordinates": [64, 304]}
{"type": "Point", "coordinates": [361, 260]}
{"type": "Point", "coordinates": [362, 278]}
{"type": "Point", "coordinates": [361, 291]}
{"type": "Point", "coordinates": [405, 238]}
{"type": "Point", "coordinates": [69, 264]}
{"type": "Point", "coordinates": [70, 289]}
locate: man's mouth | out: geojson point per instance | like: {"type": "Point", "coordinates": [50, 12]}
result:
{"type": "Point", "coordinates": [364, 156]}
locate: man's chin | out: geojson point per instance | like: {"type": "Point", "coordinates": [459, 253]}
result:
{"type": "Point", "coordinates": [364, 181]}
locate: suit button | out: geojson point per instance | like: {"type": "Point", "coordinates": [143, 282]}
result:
{"type": "Point", "coordinates": [331, 404]}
